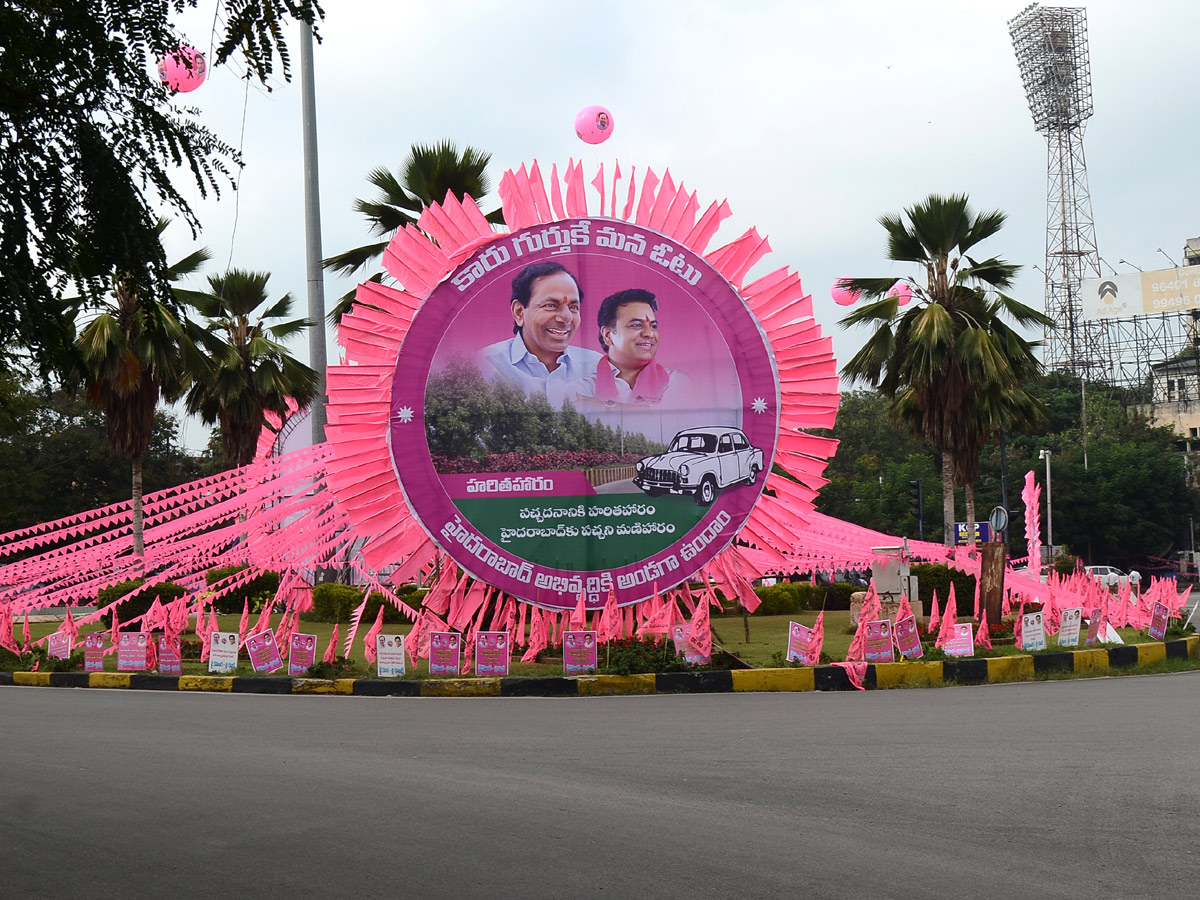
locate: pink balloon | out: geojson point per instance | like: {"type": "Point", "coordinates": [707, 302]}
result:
{"type": "Point", "coordinates": [183, 70]}
{"type": "Point", "coordinates": [901, 291]}
{"type": "Point", "coordinates": [594, 124]}
{"type": "Point", "coordinates": [843, 296]}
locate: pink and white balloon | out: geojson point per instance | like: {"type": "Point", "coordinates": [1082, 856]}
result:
{"type": "Point", "coordinates": [842, 295]}
{"type": "Point", "coordinates": [594, 124]}
{"type": "Point", "coordinates": [183, 70]}
{"type": "Point", "coordinates": [902, 291]}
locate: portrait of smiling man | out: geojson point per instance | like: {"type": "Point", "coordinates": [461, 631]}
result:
{"type": "Point", "coordinates": [546, 308]}
{"type": "Point", "coordinates": [629, 336]}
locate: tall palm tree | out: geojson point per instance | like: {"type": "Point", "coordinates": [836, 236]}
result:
{"type": "Point", "coordinates": [426, 176]}
{"type": "Point", "coordinates": [249, 371]}
{"type": "Point", "coordinates": [952, 367]}
{"type": "Point", "coordinates": [134, 351]}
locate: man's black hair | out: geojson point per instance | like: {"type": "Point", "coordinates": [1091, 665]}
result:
{"type": "Point", "coordinates": [522, 284]}
{"type": "Point", "coordinates": [606, 316]}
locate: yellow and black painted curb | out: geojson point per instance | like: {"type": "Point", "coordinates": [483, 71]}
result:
{"type": "Point", "coordinates": [989, 670]}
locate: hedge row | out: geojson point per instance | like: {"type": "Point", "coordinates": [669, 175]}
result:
{"type": "Point", "coordinates": [139, 603]}
{"type": "Point", "coordinates": [931, 577]}
{"type": "Point", "coordinates": [258, 590]}
{"type": "Point", "coordinates": [336, 602]}
{"type": "Point", "coordinates": [797, 596]}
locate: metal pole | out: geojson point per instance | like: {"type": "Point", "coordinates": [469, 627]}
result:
{"type": "Point", "coordinates": [1049, 508]}
{"type": "Point", "coordinates": [1004, 482]}
{"type": "Point", "coordinates": [312, 234]}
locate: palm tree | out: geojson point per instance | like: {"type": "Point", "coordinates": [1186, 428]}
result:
{"type": "Point", "coordinates": [953, 369]}
{"type": "Point", "coordinates": [132, 353]}
{"type": "Point", "coordinates": [426, 176]}
{"type": "Point", "coordinates": [249, 370]}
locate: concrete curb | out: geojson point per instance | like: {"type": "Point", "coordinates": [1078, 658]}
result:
{"type": "Point", "coordinates": [990, 670]}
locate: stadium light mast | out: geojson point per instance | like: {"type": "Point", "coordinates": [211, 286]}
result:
{"type": "Point", "coordinates": [1052, 53]}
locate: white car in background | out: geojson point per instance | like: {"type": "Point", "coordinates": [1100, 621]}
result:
{"type": "Point", "coordinates": [1109, 576]}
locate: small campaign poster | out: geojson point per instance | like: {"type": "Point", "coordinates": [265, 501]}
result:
{"type": "Point", "coordinates": [681, 634]}
{"type": "Point", "coordinates": [800, 644]}
{"type": "Point", "coordinates": [908, 639]}
{"type": "Point", "coordinates": [491, 653]}
{"type": "Point", "coordinates": [961, 641]}
{"type": "Point", "coordinates": [1093, 629]}
{"type": "Point", "coordinates": [579, 652]}
{"type": "Point", "coordinates": [58, 645]}
{"type": "Point", "coordinates": [1158, 621]}
{"type": "Point", "coordinates": [93, 652]}
{"type": "Point", "coordinates": [389, 655]}
{"type": "Point", "coordinates": [445, 653]}
{"type": "Point", "coordinates": [1033, 632]}
{"type": "Point", "coordinates": [264, 652]}
{"type": "Point", "coordinates": [1068, 628]}
{"type": "Point", "coordinates": [131, 651]}
{"type": "Point", "coordinates": [222, 651]}
{"type": "Point", "coordinates": [879, 642]}
{"type": "Point", "coordinates": [302, 653]}
{"type": "Point", "coordinates": [170, 661]}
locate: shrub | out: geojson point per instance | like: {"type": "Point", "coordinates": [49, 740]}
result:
{"type": "Point", "coordinates": [258, 590]}
{"type": "Point", "coordinates": [934, 576]}
{"type": "Point", "coordinates": [633, 657]}
{"type": "Point", "coordinates": [140, 602]}
{"type": "Point", "coordinates": [789, 597]}
{"type": "Point", "coordinates": [336, 602]}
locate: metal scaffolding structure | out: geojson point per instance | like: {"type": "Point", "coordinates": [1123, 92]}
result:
{"type": "Point", "coordinates": [1052, 52]}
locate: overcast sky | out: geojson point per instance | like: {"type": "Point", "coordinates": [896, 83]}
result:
{"type": "Point", "coordinates": [812, 118]}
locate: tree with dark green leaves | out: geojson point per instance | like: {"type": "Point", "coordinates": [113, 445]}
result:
{"type": "Point", "coordinates": [55, 460]}
{"type": "Point", "coordinates": [91, 140]}
{"type": "Point", "coordinates": [955, 372]}
{"type": "Point", "coordinates": [248, 370]}
{"type": "Point", "coordinates": [135, 351]}
{"type": "Point", "coordinates": [430, 172]}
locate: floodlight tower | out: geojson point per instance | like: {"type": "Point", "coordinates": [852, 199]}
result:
{"type": "Point", "coordinates": [1052, 52]}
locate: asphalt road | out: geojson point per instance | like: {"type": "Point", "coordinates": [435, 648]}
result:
{"type": "Point", "coordinates": [1060, 789]}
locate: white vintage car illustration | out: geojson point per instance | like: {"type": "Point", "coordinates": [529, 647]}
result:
{"type": "Point", "coordinates": [700, 462]}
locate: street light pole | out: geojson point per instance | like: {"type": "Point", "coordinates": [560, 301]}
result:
{"type": "Point", "coordinates": [1045, 454]}
{"type": "Point", "coordinates": [312, 234]}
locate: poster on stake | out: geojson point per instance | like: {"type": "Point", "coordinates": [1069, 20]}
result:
{"type": "Point", "coordinates": [223, 651]}
{"type": "Point", "coordinates": [389, 655]}
{"type": "Point", "coordinates": [638, 371]}
{"type": "Point", "coordinates": [908, 639]}
{"type": "Point", "coordinates": [879, 642]}
{"type": "Point", "coordinates": [93, 652]}
{"type": "Point", "coordinates": [799, 647]}
{"type": "Point", "coordinates": [170, 657]}
{"type": "Point", "coordinates": [491, 653]}
{"type": "Point", "coordinates": [131, 651]}
{"type": "Point", "coordinates": [1033, 632]}
{"type": "Point", "coordinates": [445, 653]}
{"type": "Point", "coordinates": [58, 645]}
{"type": "Point", "coordinates": [579, 652]}
{"type": "Point", "coordinates": [264, 652]}
{"type": "Point", "coordinates": [302, 653]}
{"type": "Point", "coordinates": [1069, 626]}
{"type": "Point", "coordinates": [961, 641]}
{"type": "Point", "coordinates": [1158, 621]}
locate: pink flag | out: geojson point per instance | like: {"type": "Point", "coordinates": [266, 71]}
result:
{"type": "Point", "coordinates": [817, 640]}
{"type": "Point", "coordinates": [933, 614]}
{"type": "Point", "coordinates": [212, 621]}
{"type": "Point", "coordinates": [331, 650]}
{"type": "Point", "coordinates": [25, 632]}
{"type": "Point", "coordinates": [855, 672]}
{"type": "Point", "coordinates": [579, 616]}
{"type": "Point", "coordinates": [69, 626]}
{"type": "Point", "coordinates": [977, 581]}
{"type": "Point", "coordinates": [905, 609]}
{"type": "Point", "coordinates": [537, 635]}
{"type": "Point", "coordinates": [983, 639]}
{"type": "Point", "coordinates": [948, 619]}
{"type": "Point", "coordinates": [609, 619]}
{"type": "Point", "coordinates": [369, 639]}
{"type": "Point", "coordinates": [701, 637]}
{"type": "Point", "coordinates": [244, 623]}
{"type": "Point", "coordinates": [1018, 627]}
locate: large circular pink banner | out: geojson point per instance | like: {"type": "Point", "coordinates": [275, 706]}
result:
{"type": "Point", "coordinates": [581, 407]}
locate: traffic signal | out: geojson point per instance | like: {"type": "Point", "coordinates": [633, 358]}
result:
{"type": "Point", "coordinates": [916, 506]}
